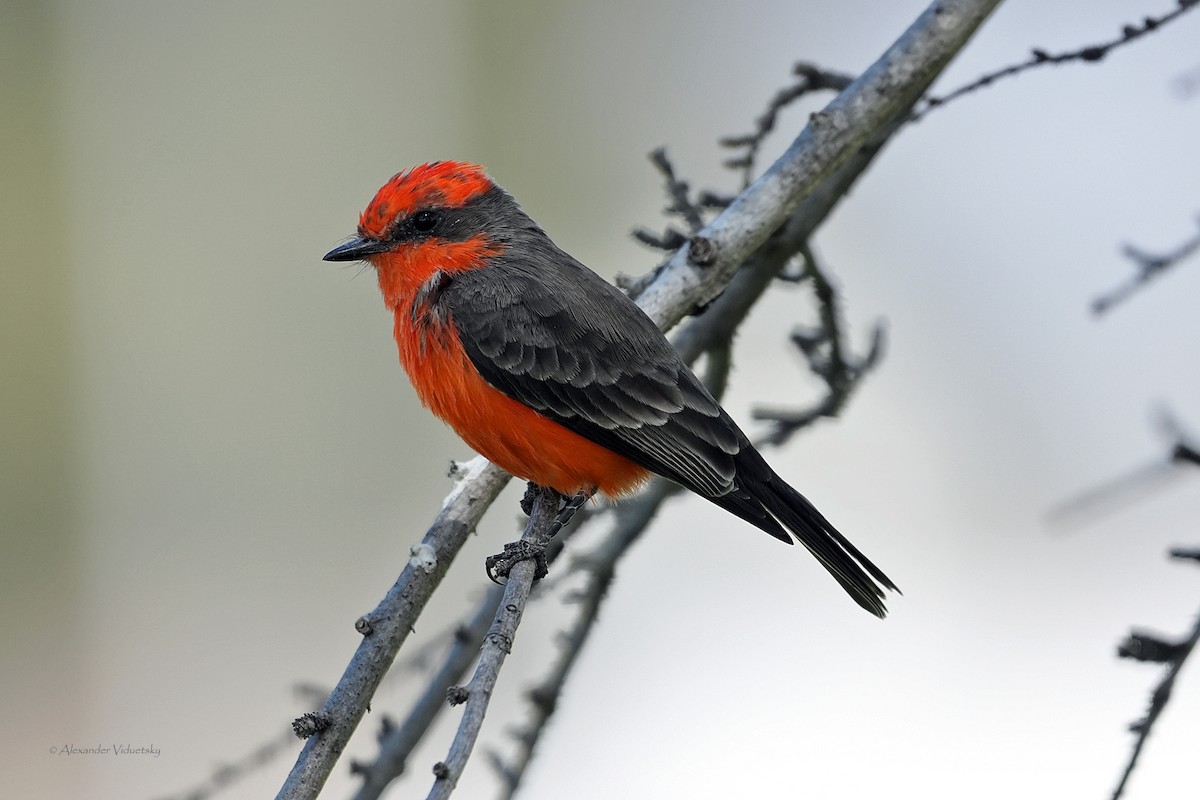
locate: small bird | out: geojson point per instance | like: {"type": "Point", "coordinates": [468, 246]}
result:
{"type": "Point", "coordinates": [554, 374]}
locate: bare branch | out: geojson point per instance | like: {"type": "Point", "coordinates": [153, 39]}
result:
{"type": "Point", "coordinates": [669, 240]}
{"type": "Point", "coordinates": [498, 644]}
{"type": "Point", "coordinates": [1148, 267]}
{"type": "Point", "coordinates": [1139, 645]}
{"type": "Point", "coordinates": [811, 79]}
{"type": "Point", "coordinates": [690, 279]}
{"type": "Point", "coordinates": [826, 358]}
{"type": "Point", "coordinates": [1149, 647]}
{"type": "Point", "coordinates": [698, 271]}
{"type": "Point", "coordinates": [1087, 54]}
{"type": "Point", "coordinates": [1185, 454]}
{"type": "Point", "coordinates": [390, 623]}
{"type": "Point", "coordinates": [724, 314]}
{"type": "Point", "coordinates": [681, 205]}
{"type": "Point", "coordinates": [1174, 654]}
{"type": "Point", "coordinates": [396, 742]}
{"type": "Point", "coordinates": [633, 517]}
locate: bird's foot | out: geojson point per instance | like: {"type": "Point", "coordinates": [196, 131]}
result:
{"type": "Point", "coordinates": [499, 565]}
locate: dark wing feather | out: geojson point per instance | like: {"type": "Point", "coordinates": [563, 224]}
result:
{"type": "Point", "coordinates": [550, 333]}
{"type": "Point", "coordinates": [581, 353]}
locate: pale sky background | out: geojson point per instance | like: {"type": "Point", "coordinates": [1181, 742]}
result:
{"type": "Point", "coordinates": [212, 462]}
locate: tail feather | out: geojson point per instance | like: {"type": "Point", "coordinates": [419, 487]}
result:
{"type": "Point", "coordinates": [845, 562]}
{"type": "Point", "coordinates": [765, 500]}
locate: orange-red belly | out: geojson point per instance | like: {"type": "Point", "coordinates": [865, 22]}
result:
{"type": "Point", "coordinates": [506, 432]}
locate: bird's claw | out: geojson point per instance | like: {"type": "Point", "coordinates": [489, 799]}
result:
{"type": "Point", "coordinates": [499, 565]}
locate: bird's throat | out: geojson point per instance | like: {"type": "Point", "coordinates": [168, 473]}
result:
{"type": "Point", "coordinates": [405, 270]}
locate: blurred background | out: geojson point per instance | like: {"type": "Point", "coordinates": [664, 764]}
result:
{"type": "Point", "coordinates": [212, 462]}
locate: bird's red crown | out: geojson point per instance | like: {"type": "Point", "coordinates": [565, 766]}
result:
{"type": "Point", "coordinates": [441, 183]}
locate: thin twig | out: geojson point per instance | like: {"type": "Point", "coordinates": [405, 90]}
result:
{"type": "Point", "coordinates": [785, 423]}
{"type": "Point", "coordinates": [496, 647]}
{"type": "Point", "coordinates": [1039, 58]}
{"type": "Point", "coordinates": [1147, 267]}
{"type": "Point", "coordinates": [1184, 453]}
{"type": "Point", "coordinates": [826, 357]}
{"type": "Point", "coordinates": [681, 204]}
{"type": "Point", "coordinates": [633, 518]}
{"type": "Point", "coordinates": [1159, 697]}
{"type": "Point", "coordinates": [810, 79]}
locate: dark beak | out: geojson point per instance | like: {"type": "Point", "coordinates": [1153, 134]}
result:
{"type": "Point", "coordinates": [356, 249]}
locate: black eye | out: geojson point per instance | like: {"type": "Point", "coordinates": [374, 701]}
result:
{"type": "Point", "coordinates": [425, 220]}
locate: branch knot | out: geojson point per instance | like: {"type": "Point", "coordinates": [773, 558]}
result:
{"type": "Point", "coordinates": [310, 724]}
{"type": "Point", "coordinates": [703, 252]}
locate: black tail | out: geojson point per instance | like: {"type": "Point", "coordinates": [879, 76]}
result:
{"type": "Point", "coordinates": [766, 500]}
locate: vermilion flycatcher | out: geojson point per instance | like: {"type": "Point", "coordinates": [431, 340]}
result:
{"type": "Point", "coordinates": [554, 374]}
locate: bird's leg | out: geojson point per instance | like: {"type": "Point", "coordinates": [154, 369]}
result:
{"type": "Point", "coordinates": [567, 511]}
{"type": "Point", "coordinates": [499, 565]}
